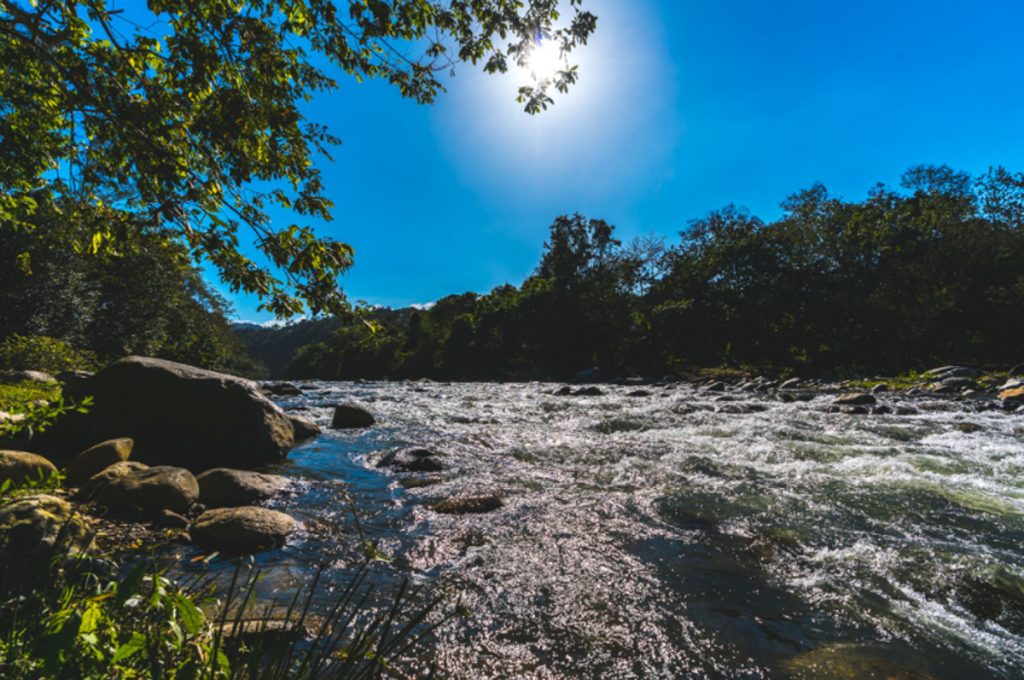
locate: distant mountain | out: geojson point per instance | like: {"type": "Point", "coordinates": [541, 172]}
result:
{"type": "Point", "coordinates": [276, 345]}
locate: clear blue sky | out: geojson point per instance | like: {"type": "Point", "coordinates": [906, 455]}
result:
{"type": "Point", "coordinates": [683, 106]}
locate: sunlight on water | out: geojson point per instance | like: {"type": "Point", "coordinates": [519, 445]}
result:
{"type": "Point", "coordinates": [683, 532]}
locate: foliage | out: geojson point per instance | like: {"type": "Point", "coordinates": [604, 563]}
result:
{"type": "Point", "coordinates": [45, 483]}
{"type": "Point", "coordinates": [905, 279]}
{"type": "Point", "coordinates": [185, 120]}
{"type": "Point", "coordinates": [42, 353]}
{"type": "Point", "coordinates": [145, 298]}
{"type": "Point", "coordinates": [31, 408]}
{"type": "Point", "coordinates": [84, 616]}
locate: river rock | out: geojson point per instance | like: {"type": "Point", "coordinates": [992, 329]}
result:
{"type": "Point", "coordinates": [943, 372]}
{"type": "Point", "coordinates": [563, 391]}
{"type": "Point", "coordinates": [349, 416]}
{"type": "Point", "coordinates": [879, 388]}
{"type": "Point", "coordinates": [151, 490]}
{"type": "Point", "coordinates": [1012, 394]}
{"type": "Point", "coordinates": [97, 458]}
{"type": "Point", "coordinates": [790, 384]}
{"type": "Point", "coordinates": [176, 414]}
{"type": "Point", "coordinates": [28, 376]}
{"type": "Point", "coordinates": [239, 531]}
{"type": "Point", "coordinates": [36, 526]}
{"type": "Point", "coordinates": [222, 487]}
{"type": "Point", "coordinates": [412, 460]}
{"type": "Point", "coordinates": [73, 378]}
{"type": "Point", "coordinates": [588, 392]}
{"type": "Point", "coordinates": [856, 399]}
{"type": "Point", "coordinates": [282, 389]}
{"type": "Point", "coordinates": [639, 393]}
{"type": "Point", "coordinates": [22, 466]}
{"type": "Point", "coordinates": [304, 428]}
{"type": "Point", "coordinates": [168, 519]}
{"type": "Point", "coordinates": [467, 505]}
{"type": "Point", "coordinates": [89, 488]}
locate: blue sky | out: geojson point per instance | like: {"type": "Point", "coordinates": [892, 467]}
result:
{"type": "Point", "coordinates": [683, 106]}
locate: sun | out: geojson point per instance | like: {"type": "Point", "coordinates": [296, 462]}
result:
{"type": "Point", "coordinates": [545, 60]}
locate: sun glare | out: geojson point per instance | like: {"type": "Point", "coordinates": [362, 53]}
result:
{"type": "Point", "coordinates": [545, 60]}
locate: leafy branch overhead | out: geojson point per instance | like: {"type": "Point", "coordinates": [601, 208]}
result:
{"type": "Point", "coordinates": [184, 120]}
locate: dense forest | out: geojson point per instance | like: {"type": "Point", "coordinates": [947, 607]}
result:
{"type": "Point", "coordinates": [68, 300]}
{"type": "Point", "coordinates": [928, 273]}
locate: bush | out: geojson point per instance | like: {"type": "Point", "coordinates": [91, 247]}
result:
{"type": "Point", "coordinates": [42, 353]}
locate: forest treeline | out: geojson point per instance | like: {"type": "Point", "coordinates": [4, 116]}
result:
{"type": "Point", "coordinates": [69, 300]}
{"type": "Point", "coordinates": [931, 272]}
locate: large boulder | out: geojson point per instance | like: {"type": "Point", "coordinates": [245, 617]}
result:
{"type": "Point", "coordinates": [176, 414]}
{"type": "Point", "coordinates": [97, 458]}
{"type": "Point", "coordinates": [241, 531]}
{"type": "Point", "coordinates": [150, 490]}
{"type": "Point", "coordinates": [22, 466]}
{"type": "Point", "coordinates": [348, 416]}
{"type": "Point", "coordinates": [856, 399]}
{"type": "Point", "coordinates": [222, 487]}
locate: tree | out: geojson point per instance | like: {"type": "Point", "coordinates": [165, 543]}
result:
{"type": "Point", "coordinates": [188, 117]}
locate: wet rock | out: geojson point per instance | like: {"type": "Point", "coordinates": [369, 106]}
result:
{"type": "Point", "coordinates": [881, 410]}
{"type": "Point", "coordinates": [412, 460]}
{"type": "Point", "coordinates": [241, 531]}
{"type": "Point", "coordinates": [150, 490]}
{"type": "Point", "coordinates": [588, 392]}
{"type": "Point", "coordinates": [857, 662]}
{"type": "Point", "coordinates": [419, 482]}
{"type": "Point", "coordinates": [968, 428]}
{"type": "Point", "coordinates": [168, 519]}
{"type": "Point", "coordinates": [856, 399]}
{"type": "Point", "coordinates": [958, 383]}
{"type": "Point", "coordinates": [304, 428]}
{"type": "Point", "coordinates": [856, 410]}
{"type": "Point", "coordinates": [638, 393]}
{"type": "Point", "coordinates": [467, 505]}
{"type": "Point", "coordinates": [224, 487]}
{"type": "Point", "coordinates": [1012, 394]}
{"type": "Point", "coordinates": [97, 458]}
{"type": "Point", "coordinates": [34, 528]}
{"type": "Point", "coordinates": [952, 371]}
{"type": "Point", "coordinates": [563, 391]}
{"type": "Point", "coordinates": [790, 384]}
{"type": "Point", "coordinates": [176, 414]}
{"type": "Point", "coordinates": [716, 386]}
{"type": "Point", "coordinates": [879, 388]}
{"type": "Point", "coordinates": [350, 416]}
{"type": "Point", "coordinates": [28, 376]}
{"type": "Point", "coordinates": [110, 473]}
{"type": "Point", "coordinates": [21, 466]}
{"type": "Point", "coordinates": [281, 389]}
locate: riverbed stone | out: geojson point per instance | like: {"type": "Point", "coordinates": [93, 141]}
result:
{"type": "Point", "coordinates": [149, 490]}
{"type": "Point", "coordinates": [304, 428]}
{"type": "Point", "coordinates": [21, 466]}
{"type": "Point", "coordinates": [97, 458]}
{"type": "Point", "coordinates": [175, 414]}
{"type": "Point", "coordinates": [856, 399]}
{"type": "Point", "coordinates": [239, 531]}
{"type": "Point", "coordinates": [88, 490]}
{"type": "Point", "coordinates": [588, 392]}
{"type": "Point", "coordinates": [28, 376]}
{"type": "Point", "coordinates": [35, 527]}
{"type": "Point", "coordinates": [224, 487]}
{"type": "Point", "coordinates": [350, 416]}
{"type": "Point", "coordinates": [466, 505]}
{"type": "Point", "coordinates": [412, 460]}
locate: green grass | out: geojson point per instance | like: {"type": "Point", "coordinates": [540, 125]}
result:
{"type": "Point", "coordinates": [900, 382]}
{"type": "Point", "coordinates": [18, 397]}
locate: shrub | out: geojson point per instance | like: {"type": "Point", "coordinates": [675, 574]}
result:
{"type": "Point", "coordinates": [42, 353]}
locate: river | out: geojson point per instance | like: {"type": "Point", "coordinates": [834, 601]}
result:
{"type": "Point", "coordinates": [680, 533]}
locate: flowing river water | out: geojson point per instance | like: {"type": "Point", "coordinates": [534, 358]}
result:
{"type": "Point", "coordinates": [682, 533]}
